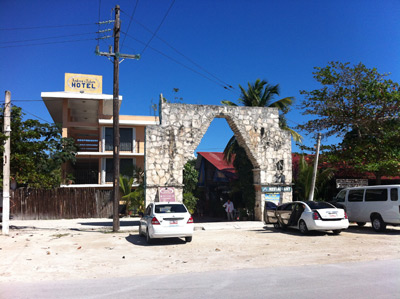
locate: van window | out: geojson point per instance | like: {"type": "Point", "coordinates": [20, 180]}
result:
{"type": "Point", "coordinates": [341, 196]}
{"type": "Point", "coordinates": [376, 195]}
{"type": "Point", "coordinates": [356, 195]}
{"type": "Point", "coordinates": [394, 194]}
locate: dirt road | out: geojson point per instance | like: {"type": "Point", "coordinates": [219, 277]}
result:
{"type": "Point", "coordinates": [62, 252]}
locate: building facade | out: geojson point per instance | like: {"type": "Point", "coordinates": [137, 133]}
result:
{"type": "Point", "coordinates": [87, 117]}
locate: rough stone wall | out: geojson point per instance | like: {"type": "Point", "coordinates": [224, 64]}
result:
{"type": "Point", "coordinates": [172, 143]}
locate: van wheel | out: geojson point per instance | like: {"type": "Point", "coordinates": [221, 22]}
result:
{"type": "Point", "coordinates": [378, 224]}
{"type": "Point", "coordinates": [303, 227]}
{"type": "Point", "coordinates": [188, 239]}
{"type": "Point", "coordinates": [361, 223]}
{"type": "Point", "coordinates": [337, 231]}
{"type": "Point", "coordinates": [277, 225]}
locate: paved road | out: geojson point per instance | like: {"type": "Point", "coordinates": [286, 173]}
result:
{"type": "Point", "coordinates": [376, 279]}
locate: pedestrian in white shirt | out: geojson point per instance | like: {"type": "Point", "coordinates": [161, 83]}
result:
{"type": "Point", "coordinates": [229, 209]}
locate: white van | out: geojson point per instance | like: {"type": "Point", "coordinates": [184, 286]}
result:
{"type": "Point", "coordinates": [379, 205]}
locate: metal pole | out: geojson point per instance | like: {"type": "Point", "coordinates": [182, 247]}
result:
{"type": "Point", "coordinates": [117, 28]}
{"type": "Point", "coordinates": [314, 177]}
{"type": "Point", "coordinates": [6, 165]}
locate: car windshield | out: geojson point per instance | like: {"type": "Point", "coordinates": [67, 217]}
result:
{"type": "Point", "coordinates": [319, 205]}
{"type": "Point", "coordinates": [168, 208]}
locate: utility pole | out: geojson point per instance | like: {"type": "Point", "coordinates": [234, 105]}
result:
{"type": "Point", "coordinates": [314, 177]}
{"type": "Point", "coordinates": [116, 140]}
{"type": "Point", "coordinates": [6, 164]}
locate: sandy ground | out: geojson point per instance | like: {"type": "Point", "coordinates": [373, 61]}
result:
{"type": "Point", "coordinates": [80, 249]}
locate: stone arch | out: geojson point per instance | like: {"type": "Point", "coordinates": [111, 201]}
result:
{"type": "Point", "coordinates": [172, 143]}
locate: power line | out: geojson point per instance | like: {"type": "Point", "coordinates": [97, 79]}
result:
{"type": "Point", "coordinates": [98, 24]}
{"type": "Point", "coordinates": [44, 38]}
{"type": "Point", "coordinates": [130, 22]}
{"type": "Point", "coordinates": [38, 117]}
{"type": "Point", "coordinates": [186, 57]}
{"type": "Point", "coordinates": [46, 27]}
{"type": "Point", "coordinates": [178, 62]}
{"type": "Point", "coordinates": [39, 44]}
{"type": "Point", "coordinates": [27, 101]}
{"type": "Point", "coordinates": [159, 26]}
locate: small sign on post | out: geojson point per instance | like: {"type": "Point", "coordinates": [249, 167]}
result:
{"type": "Point", "coordinates": [166, 194]}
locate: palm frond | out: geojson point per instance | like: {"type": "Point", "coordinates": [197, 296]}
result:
{"type": "Point", "coordinates": [283, 104]}
{"type": "Point", "coordinates": [296, 136]}
{"type": "Point", "coordinates": [230, 149]}
{"type": "Point", "coordinates": [228, 103]}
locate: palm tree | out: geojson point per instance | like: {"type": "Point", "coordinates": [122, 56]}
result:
{"type": "Point", "coordinates": [304, 178]}
{"type": "Point", "coordinates": [261, 94]}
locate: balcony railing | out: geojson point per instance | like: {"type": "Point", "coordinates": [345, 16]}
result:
{"type": "Point", "coordinates": [87, 145]}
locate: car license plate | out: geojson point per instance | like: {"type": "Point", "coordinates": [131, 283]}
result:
{"type": "Point", "coordinates": [173, 222]}
{"type": "Point", "coordinates": [333, 214]}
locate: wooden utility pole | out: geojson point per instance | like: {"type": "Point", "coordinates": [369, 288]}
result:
{"type": "Point", "coordinates": [6, 164]}
{"type": "Point", "coordinates": [117, 29]}
{"type": "Point", "coordinates": [314, 177]}
{"type": "Point", "coordinates": [116, 141]}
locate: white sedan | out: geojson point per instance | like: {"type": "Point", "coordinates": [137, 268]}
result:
{"type": "Point", "coordinates": [166, 220]}
{"type": "Point", "coordinates": [308, 215]}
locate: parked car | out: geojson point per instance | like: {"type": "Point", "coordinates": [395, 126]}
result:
{"type": "Point", "coordinates": [166, 220]}
{"type": "Point", "coordinates": [308, 215]}
{"type": "Point", "coordinates": [379, 205]}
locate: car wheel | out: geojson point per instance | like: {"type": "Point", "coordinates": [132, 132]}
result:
{"type": "Point", "coordinates": [277, 225]}
{"type": "Point", "coordinates": [337, 231]}
{"type": "Point", "coordinates": [303, 227]}
{"type": "Point", "coordinates": [148, 238]}
{"type": "Point", "coordinates": [361, 223]}
{"type": "Point", "coordinates": [378, 224]}
{"type": "Point", "coordinates": [188, 239]}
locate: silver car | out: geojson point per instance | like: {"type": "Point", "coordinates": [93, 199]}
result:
{"type": "Point", "coordinates": [166, 220]}
{"type": "Point", "coordinates": [307, 215]}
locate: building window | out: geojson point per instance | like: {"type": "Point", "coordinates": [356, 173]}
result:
{"type": "Point", "coordinates": [126, 168]}
{"type": "Point", "coordinates": [109, 136]}
{"type": "Point", "coordinates": [125, 139]}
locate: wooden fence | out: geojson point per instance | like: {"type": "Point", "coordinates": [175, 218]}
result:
{"type": "Point", "coordinates": [61, 203]}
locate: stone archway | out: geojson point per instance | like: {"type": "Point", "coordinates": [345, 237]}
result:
{"type": "Point", "coordinates": [172, 143]}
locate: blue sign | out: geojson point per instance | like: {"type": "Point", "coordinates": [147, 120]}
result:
{"type": "Point", "coordinates": [276, 189]}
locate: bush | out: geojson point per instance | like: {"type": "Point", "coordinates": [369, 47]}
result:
{"type": "Point", "coordinates": [190, 202]}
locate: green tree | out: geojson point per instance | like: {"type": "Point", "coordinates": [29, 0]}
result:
{"type": "Point", "coordinates": [245, 183]}
{"type": "Point", "coordinates": [303, 179]}
{"type": "Point", "coordinates": [190, 179]}
{"type": "Point", "coordinates": [134, 199]}
{"type": "Point", "coordinates": [261, 94]}
{"type": "Point", "coordinates": [376, 153]}
{"type": "Point", "coordinates": [362, 106]}
{"type": "Point", "coordinates": [37, 151]}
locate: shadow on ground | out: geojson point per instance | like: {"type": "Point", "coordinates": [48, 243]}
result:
{"type": "Point", "coordinates": [141, 241]}
{"type": "Point", "coordinates": [110, 223]}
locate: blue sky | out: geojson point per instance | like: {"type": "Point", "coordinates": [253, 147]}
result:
{"type": "Point", "coordinates": [233, 42]}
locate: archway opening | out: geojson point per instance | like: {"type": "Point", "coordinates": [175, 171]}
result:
{"type": "Point", "coordinates": [221, 180]}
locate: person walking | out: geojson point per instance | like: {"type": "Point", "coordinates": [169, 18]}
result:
{"type": "Point", "coordinates": [229, 209]}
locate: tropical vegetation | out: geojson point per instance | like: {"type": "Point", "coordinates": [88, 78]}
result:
{"type": "Point", "coordinates": [361, 106]}
{"type": "Point", "coordinates": [37, 151]}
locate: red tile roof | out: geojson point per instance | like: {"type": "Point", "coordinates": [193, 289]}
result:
{"type": "Point", "coordinates": [217, 159]}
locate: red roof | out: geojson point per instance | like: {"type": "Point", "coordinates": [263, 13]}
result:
{"type": "Point", "coordinates": [217, 159]}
